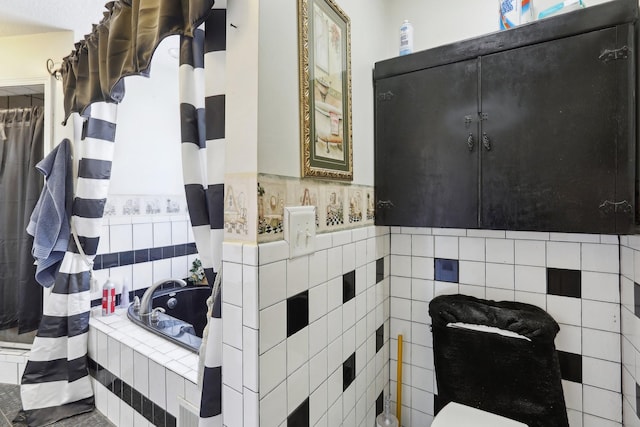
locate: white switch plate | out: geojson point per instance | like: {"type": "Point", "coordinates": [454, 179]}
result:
{"type": "Point", "coordinates": [300, 229]}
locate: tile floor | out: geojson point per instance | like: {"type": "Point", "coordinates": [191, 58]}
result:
{"type": "Point", "coordinates": [10, 405]}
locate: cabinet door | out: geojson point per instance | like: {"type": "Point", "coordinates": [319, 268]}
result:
{"type": "Point", "coordinates": [555, 122]}
{"type": "Point", "coordinates": [423, 163]}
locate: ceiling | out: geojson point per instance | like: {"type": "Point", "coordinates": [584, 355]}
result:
{"type": "Point", "coordinates": [22, 17]}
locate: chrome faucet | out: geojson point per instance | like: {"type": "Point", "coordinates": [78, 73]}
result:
{"type": "Point", "coordinates": [145, 302]}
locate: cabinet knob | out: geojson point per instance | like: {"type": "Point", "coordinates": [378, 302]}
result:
{"type": "Point", "coordinates": [470, 142]}
{"type": "Point", "coordinates": [486, 141]}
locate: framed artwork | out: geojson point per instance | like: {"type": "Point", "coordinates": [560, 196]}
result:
{"type": "Point", "coordinates": [324, 45]}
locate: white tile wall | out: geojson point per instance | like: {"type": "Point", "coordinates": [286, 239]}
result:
{"type": "Point", "coordinates": [12, 363]}
{"type": "Point", "coordinates": [127, 233]}
{"type": "Point", "coordinates": [308, 364]}
{"type": "Point", "coordinates": [511, 265]}
{"type": "Point", "coordinates": [630, 275]}
{"type": "Point", "coordinates": [158, 369]}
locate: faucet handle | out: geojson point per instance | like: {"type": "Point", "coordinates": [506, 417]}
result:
{"type": "Point", "coordinates": [136, 304]}
{"type": "Point", "coordinates": [154, 314]}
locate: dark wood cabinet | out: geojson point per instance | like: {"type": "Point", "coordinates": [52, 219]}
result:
{"type": "Point", "coordinates": [425, 151]}
{"type": "Point", "coordinates": [536, 132]}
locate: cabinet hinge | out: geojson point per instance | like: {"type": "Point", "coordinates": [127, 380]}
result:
{"type": "Point", "coordinates": [384, 204]}
{"type": "Point", "coordinates": [385, 96]}
{"type": "Point", "coordinates": [608, 207]}
{"type": "Point", "coordinates": [613, 54]}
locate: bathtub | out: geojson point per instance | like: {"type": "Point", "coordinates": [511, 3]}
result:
{"type": "Point", "coordinates": [184, 318]}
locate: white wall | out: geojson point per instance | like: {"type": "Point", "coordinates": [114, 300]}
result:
{"type": "Point", "coordinates": [278, 123]}
{"type": "Point", "coordinates": [436, 23]}
{"type": "Point", "coordinates": [147, 157]}
{"type": "Point", "coordinates": [24, 61]}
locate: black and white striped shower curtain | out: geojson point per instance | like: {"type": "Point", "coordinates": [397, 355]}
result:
{"type": "Point", "coordinates": [56, 382]}
{"type": "Point", "coordinates": [202, 111]}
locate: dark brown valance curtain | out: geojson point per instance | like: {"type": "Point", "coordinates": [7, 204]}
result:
{"type": "Point", "coordinates": [121, 45]}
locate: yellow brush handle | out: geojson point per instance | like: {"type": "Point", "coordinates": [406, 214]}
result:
{"type": "Point", "coordinates": [399, 383]}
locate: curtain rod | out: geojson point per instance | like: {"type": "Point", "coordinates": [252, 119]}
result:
{"type": "Point", "coordinates": [56, 73]}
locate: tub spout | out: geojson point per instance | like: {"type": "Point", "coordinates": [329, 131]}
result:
{"type": "Point", "coordinates": [145, 302]}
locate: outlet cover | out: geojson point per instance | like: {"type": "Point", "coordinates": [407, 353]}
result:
{"type": "Point", "coordinates": [300, 229]}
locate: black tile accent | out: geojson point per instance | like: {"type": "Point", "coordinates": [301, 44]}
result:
{"type": "Point", "coordinates": [565, 283]}
{"type": "Point", "coordinates": [110, 260]}
{"type": "Point", "coordinates": [379, 338]}
{"type": "Point", "coordinates": [570, 366]}
{"type": "Point", "coordinates": [136, 401]}
{"type": "Point", "coordinates": [638, 400]}
{"type": "Point", "coordinates": [117, 259]}
{"type": "Point", "coordinates": [300, 416]}
{"type": "Point", "coordinates": [297, 312]}
{"type": "Point", "coordinates": [116, 387]}
{"type": "Point", "coordinates": [127, 258]}
{"type": "Point", "coordinates": [141, 255]}
{"type": "Point", "coordinates": [138, 293]}
{"type": "Point", "coordinates": [348, 371]}
{"type": "Point", "coordinates": [380, 403]}
{"type": "Point", "coordinates": [168, 251]}
{"type": "Point", "coordinates": [141, 404]}
{"type": "Point", "coordinates": [158, 416]}
{"type": "Point", "coordinates": [97, 262]}
{"type": "Point", "coordinates": [348, 286]}
{"type": "Point", "coordinates": [96, 302]}
{"type": "Point", "coordinates": [191, 249]}
{"type": "Point", "coordinates": [92, 366]}
{"type": "Point", "coordinates": [636, 299]}
{"type": "Point", "coordinates": [126, 393]}
{"type": "Point", "coordinates": [147, 408]}
{"type": "Point", "coordinates": [155, 254]}
{"type": "Point", "coordinates": [446, 270]}
{"type": "Point", "coordinates": [180, 250]}
{"type": "Point", "coordinates": [379, 270]}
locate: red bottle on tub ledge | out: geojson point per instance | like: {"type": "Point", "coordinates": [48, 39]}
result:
{"type": "Point", "coordinates": [108, 298]}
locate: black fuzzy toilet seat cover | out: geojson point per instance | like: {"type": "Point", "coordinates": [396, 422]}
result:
{"type": "Point", "coordinates": [512, 377]}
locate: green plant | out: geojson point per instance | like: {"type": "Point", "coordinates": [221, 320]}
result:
{"type": "Point", "coordinates": [197, 272]}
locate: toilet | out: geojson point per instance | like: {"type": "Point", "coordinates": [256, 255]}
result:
{"type": "Point", "coordinates": [458, 415]}
{"type": "Point", "coordinates": [495, 364]}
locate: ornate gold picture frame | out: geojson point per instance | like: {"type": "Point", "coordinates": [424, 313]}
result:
{"type": "Point", "coordinates": [324, 44]}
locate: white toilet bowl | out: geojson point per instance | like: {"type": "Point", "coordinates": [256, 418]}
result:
{"type": "Point", "coordinates": [458, 415]}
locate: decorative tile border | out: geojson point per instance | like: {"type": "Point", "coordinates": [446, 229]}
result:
{"type": "Point", "coordinates": [132, 205]}
{"type": "Point", "coordinates": [338, 206]}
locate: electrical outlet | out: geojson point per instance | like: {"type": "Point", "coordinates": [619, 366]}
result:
{"type": "Point", "coordinates": [300, 230]}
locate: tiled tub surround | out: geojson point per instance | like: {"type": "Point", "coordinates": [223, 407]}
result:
{"type": "Point", "coordinates": [574, 277]}
{"type": "Point", "coordinates": [139, 378]}
{"type": "Point", "coordinates": [630, 299]}
{"type": "Point", "coordinates": [12, 363]}
{"type": "Point", "coordinates": [306, 340]}
{"type": "Point", "coordinates": [143, 249]}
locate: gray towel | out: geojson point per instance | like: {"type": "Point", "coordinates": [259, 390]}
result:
{"type": "Point", "coordinates": [49, 223]}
